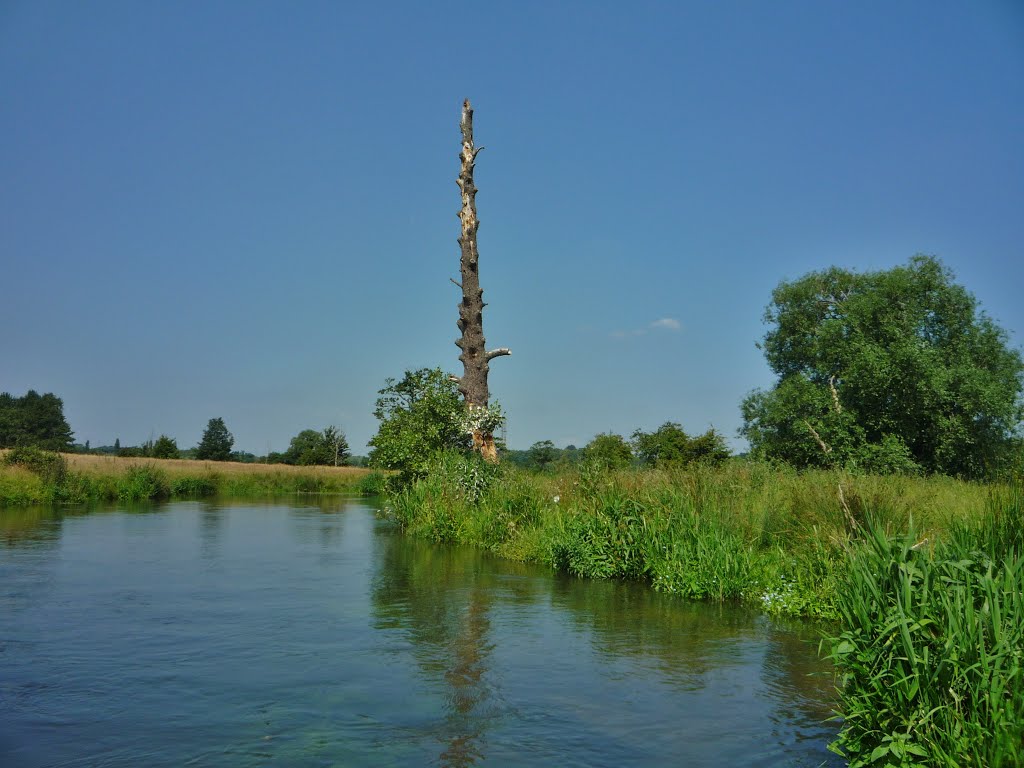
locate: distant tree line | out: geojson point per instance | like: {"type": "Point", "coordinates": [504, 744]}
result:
{"type": "Point", "coordinates": [422, 415]}
{"type": "Point", "coordinates": [667, 447]}
{"type": "Point", "coordinates": [38, 421]}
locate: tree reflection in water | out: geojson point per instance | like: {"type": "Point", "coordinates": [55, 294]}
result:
{"type": "Point", "coordinates": [449, 601]}
{"type": "Point", "coordinates": [441, 598]}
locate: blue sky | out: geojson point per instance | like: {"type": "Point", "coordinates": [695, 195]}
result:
{"type": "Point", "coordinates": [248, 210]}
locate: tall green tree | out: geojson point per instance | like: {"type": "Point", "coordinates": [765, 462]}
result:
{"type": "Point", "coordinates": [670, 446]}
{"type": "Point", "coordinates": [419, 416]}
{"type": "Point", "coordinates": [895, 370]}
{"type": "Point", "coordinates": [337, 445]}
{"type": "Point", "coordinates": [216, 443]}
{"type": "Point", "coordinates": [165, 448]}
{"type": "Point", "coordinates": [309, 448]}
{"type": "Point", "coordinates": [34, 419]}
{"type": "Point", "coordinates": [542, 455]}
{"type": "Point", "coordinates": [609, 449]}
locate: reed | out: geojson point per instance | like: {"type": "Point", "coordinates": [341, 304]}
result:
{"type": "Point", "coordinates": [932, 648]}
{"type": "Point", "coordinates": [745, 531]}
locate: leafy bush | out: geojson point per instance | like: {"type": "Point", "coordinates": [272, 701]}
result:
{"type": "Point", "coordinates": [420, 416]}
{"type": "Point", "coordinates": [374, 484]}
{"type": "Point", "coordinates": [51, 467]}
{"type": "Point", "coordinates": [609, 450]}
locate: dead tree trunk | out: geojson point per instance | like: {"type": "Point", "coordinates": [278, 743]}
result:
{"type": "Point", "coordinates": [475, 357]}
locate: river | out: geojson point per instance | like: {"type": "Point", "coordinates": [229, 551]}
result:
{"type": "Point", "coordinates": [314, 634]}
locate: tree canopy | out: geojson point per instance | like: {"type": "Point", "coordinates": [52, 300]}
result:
{"type": "Point", "coordinates": [609, 449]}
{"type": "Point", "coordinates": [34, 420]}
{"type": "Point", "coordinates": [895, 370]}
{"type": "Point", "coordinates": [542, 455]}
{"type": "Point", "coordinates": [312, 448]}
{"type": "Point", "coordinates": [216, 443]}
{"type": "Point", "coordinates": [670, 446]}
{"type": "Point", "coordinates": [419, 416]}
{"type": "Point", "coordinates": [165, 448]}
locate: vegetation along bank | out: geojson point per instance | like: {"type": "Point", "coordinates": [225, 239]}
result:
{"type": "Point", "coordinates": [918, 581]}
{"type": "Point", "coordinates": [32, 476]}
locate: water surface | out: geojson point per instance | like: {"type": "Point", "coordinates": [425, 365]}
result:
{"type": "Point", "coordinates": [315, 635]}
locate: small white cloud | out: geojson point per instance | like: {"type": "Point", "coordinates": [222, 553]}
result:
{"type": "Point", "coordinates": [669, 323]}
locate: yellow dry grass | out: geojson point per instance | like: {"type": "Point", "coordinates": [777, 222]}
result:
{"type": "Point", "coordinates": [116, 465]}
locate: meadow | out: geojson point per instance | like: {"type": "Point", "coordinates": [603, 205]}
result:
{"type": "Point", "coordinates": [29, 477]}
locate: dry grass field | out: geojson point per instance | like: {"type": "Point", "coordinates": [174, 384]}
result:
{"type": "Point", "coordinates": [72, 478]}
{"type": "Point", "coordinates": [115, 465]}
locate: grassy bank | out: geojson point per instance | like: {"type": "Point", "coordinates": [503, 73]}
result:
{"type": "Point", "coordinates": [46, 478]}
{"type": "Point", "coordinates": [920, 578]}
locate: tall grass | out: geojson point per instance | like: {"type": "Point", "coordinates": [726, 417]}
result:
{"type": "Point", "coordinates": [932, 645]}
{"type": "Point", "coordinates": [30, 476]}
{"type": "Point", "coordinates": [745, 531]}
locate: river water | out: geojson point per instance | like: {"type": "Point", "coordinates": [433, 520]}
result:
{"type": "Point", "coordinates": [291, 634]}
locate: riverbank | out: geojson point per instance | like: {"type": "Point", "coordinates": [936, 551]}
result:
{"type": "Point", "coordinates": [47, 478]}
{"type": "Point", "coordinates": [919, 579]}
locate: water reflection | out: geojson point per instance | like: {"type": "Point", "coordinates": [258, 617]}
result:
{"type": "Point", "coordinates": [211, 530]}
{"type": "Point", "coordinates": [301, 634]}
{"type": "Point", "coordinates": [23, 526]}
{"type": "Point", "coordinates": [442, 598]}
{"type": "Point", "coordinates": [739, 672]}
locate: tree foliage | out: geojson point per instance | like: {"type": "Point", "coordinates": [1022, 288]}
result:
{"type": "Point", "coordinates": [541, 455]}
{"type": "Point", "coordinates": [216, 443]}
{"type": "Point", "coordinates": [419, 416]}
{"type": "Point", "coordinates": [165, 448]}
{"type": "Point", "coordinates": [886, 371]}
{"type": "Point", "coordinates": [609, 449]}
{"type": "Point", "coordinates": [670, 446]}
{"type": "Point", "coordinates": [312, 448]}
{"type": "Point", "coordinates": [34, 420]}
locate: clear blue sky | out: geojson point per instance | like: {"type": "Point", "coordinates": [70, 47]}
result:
{"type": "Point", "coordinates": [248, 209]}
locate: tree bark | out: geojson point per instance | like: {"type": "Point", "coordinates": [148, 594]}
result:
{"type": "Point", "coordinates": [475, 357]}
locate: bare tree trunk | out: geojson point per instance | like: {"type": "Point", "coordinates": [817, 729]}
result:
{"type": "Point", "coordinates": [475, 357]}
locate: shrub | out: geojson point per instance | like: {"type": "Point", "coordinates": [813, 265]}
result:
{"type": "Point", "coordinates": [193, 487]}
{"type": "Point", "coordinates": [374, 484]}
{"type": "Point", "coordinates": [51, 467]}
{"type": "Point", "coordinates": [143, 483]}
{"type": "Point", "coordinates": [165, 448]}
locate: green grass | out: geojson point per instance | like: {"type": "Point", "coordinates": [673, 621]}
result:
{"type": "Point", "coordinates": [744, 532]}
{"type": "Point", "coordinates": [931, 648]}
